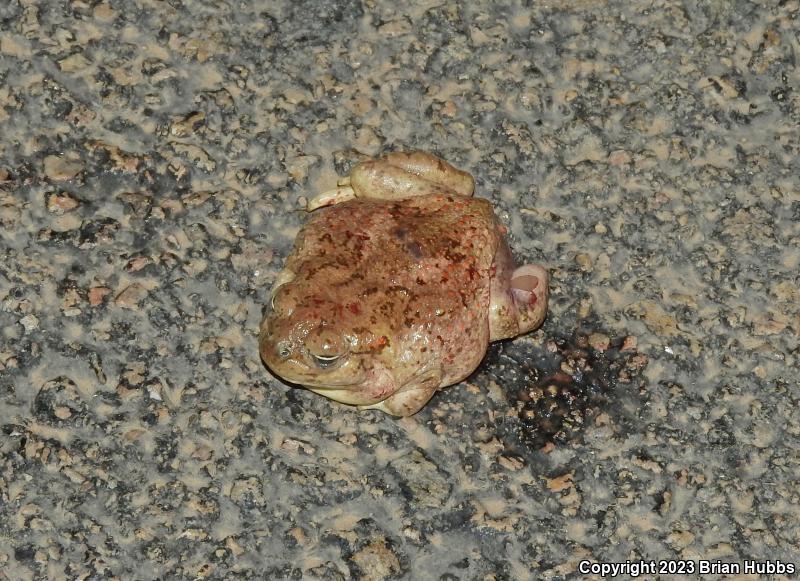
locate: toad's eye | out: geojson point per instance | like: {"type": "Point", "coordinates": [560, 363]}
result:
{"type": "Point", "coordinates": [274, 300]}
{"type": "Point", "coordinates": [325, 361]}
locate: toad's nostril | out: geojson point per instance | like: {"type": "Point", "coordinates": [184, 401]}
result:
{"type": "Point", "coordinates": [283, 349]}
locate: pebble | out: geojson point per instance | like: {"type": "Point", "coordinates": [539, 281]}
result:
{"type": "Point", "coordinates": [29, 322]}
{"type": "Point", "coordinates": [61, 203]}
{"type": "Point", "coordinates": [61, 169]}
{"type": "Point", "coordinates": [131, 296]}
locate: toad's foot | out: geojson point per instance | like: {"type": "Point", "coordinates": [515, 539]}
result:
{"type": "Point", "coordinates": [530, 288]}
{"type": "Point", "coordinates": [331, 197]}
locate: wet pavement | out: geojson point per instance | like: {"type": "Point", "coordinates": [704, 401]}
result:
{"type": "Point", "coordinates": [154, 162]}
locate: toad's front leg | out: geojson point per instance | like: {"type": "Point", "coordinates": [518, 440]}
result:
{"type": "Point", "coordinates": [410, 398]}
{"type": "Point", "coordinates": [396, 176]}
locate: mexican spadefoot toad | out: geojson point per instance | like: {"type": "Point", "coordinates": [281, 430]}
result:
{"type": "Point", "coordinates": [395, 287]}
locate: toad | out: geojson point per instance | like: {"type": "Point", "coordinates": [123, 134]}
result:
{"type": "Point", "coordinates": [395, 287]}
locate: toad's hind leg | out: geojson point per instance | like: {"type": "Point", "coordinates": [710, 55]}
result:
{"type": "Point", "coordinates": [433, 169]}
{"type": "Point", "coordinates": [410, 399]}
{"type": "Point", "coordinates": [397, 176]}
{"type": "Point", "coordinates": [404, 175]}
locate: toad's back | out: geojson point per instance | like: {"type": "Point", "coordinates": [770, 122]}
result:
{"type": "Point", "coordinates": [415, 272]}
{"type": "Point", "coordinates": [439, 242]}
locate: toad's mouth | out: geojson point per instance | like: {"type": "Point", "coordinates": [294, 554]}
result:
{"type": "Point", "coordinates": [371, 386]}
{"type": "Point", "coordinates": [328, 385]}
{"type": "Point", "coordinates": [347, 396]}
